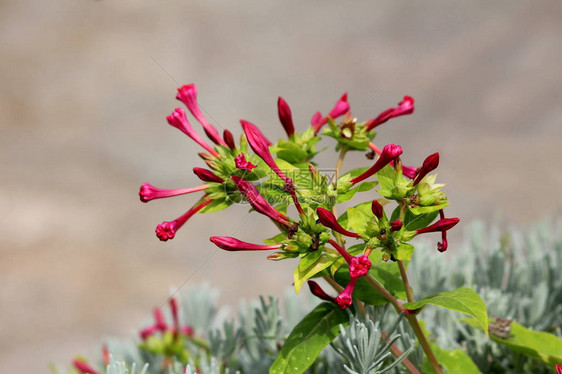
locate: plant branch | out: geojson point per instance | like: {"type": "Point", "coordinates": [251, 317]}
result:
{"type": "Point", "coordinates": [406, 282]}
{"type": "Point", "coordinates": [424, 343]}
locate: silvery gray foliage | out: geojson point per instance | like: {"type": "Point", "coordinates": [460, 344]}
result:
{"type": "Point", "coordinates": [363, 347]}
{"type": "Point", "coordinates": [120, 367]}
{"type": "Point", "coordinates": [518, 276]}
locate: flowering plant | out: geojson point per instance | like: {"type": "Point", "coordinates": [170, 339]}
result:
{"type": "Point", "coordinates": [363, 254]}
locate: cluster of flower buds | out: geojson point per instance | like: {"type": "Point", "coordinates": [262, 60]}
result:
{"type": "Point", "coordinates": [236, 172]}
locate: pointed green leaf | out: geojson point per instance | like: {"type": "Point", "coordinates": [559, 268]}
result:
{"type": "Point", "coordinates": [308, 339]}
{"type": "Point", "coordinates": [536, 344]}
{"type": "Point", "coordinates": [464, 300]}
{"type": "Point", "coordinates": [357, 220]}
{"type": "Point", "coordinates": [311, 264]}
{"type": "Point", "coordinates": [455, 362]}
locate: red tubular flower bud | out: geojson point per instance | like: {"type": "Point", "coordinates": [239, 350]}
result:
{"type": "Point", "coordinates": [389, 153]}
{"type": "Point", "coordinates": [441, 225]}
{"type": "Point", "coordinates": [429, 164]}
{"type": "Point", "coordinates": [105, 355]}
{"type": "Point", "coordinates": [344, 299]}
{"type": "Point", "coordinates": [174, 309]}
{"type": "Point", "coordinates": [316, 119]}
{"type": "Point", "coordinates": [329, 220]}
{"type": "Point", "coordinates": [84, 368]}
{"type": "Point", "coordinates": [408, 171]}
{"type": "Point", "coordinates": [146, 332]}
{"type": "Point", "coordinates": [317, 291]}
{"type": "Point", "coordinates": [241, 163]}
{"type": "Point", "coordinates": [187, 330]}
{"type": "Point", "coordinates": [232, 244]}
{"type": "Point", "coordinates": [159, 321]}
{"type": "Point", "coordinates": [406, 106]}
{"type": "Point", "coordinates": [260, 145]}
{"type": "Point", "coordinates": [178, 120]}
{"type": "Point", "coordinates": [167, 230]}
{"type": "Point", "coordinates": [396, 225]}
{"type": "Point", "coordinates": [148, 192]}
{"type": "Point", "coordinates": [285, 116]}
{"type": "Point", "coordinates": [188, 95]}
{"type": "Point", "coordinates": [377, 209]}
{"type": "Point", "coordinates": [207, 175]}
{"type": "Point", "coordinates": [442, 247]}
{"type": "Point", "coordinates": [258, 202]}
{"type": "Point", "coordinates": [558, 369]}
{"type": "Point", "coordinates": [341, 107]}
{"type": "Point", "coordinates": [359, 266]}
{"type": "Point", "coordinates": [229, 139]}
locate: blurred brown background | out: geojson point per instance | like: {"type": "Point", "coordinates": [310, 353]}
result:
{"type": "Point", "coordinates": [85, 88]}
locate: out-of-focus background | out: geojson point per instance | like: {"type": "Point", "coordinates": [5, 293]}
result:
{"type": "Point", "coordinates": [86, 85]}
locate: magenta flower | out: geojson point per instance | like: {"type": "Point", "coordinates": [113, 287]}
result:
{"type": "Point", "coordinates": [285, 116]}
{"type": "Point", "coordinates": [179, 121]}
{"type": "Point", "coordinates": [317, 291]}
{"type": "Point", "coordinates": [241, 163]}
{"type": "Point", "coordinates": [396, 225]}
{"type": "Point", "coordinates": [389, 153]}
{"type": "Point", "coordinates": [377, 209]}
{"type": "Point", "coordinates": [167, 230]}
{"type": "Point", "coordinates": [341, 107]}
{"type": "Point", "coordinates": [188, 95]}
{"type": "Point", "coordinates": [258, 202]}
{"type": "Point", "coordinates": [406, 106]}
{"type": "Point", "coordinates": [359, 266]}
{"type": "Point", "coordinates": [558, 369]}
{"type": "Point", "coordinates": [441, 225]}
{"type": "Point", "coordinates": [84, 368]}
{"type": "Point", "coordinates": [148, 192]}
{"type": "Point", "coordinates": [229, 139]}
{"type": "Point", "coordinates": [232, 244]}
{"type": "Point", "coordinates": [409, 171]}
{"type": "Point", "coordinates": [429, 164]}
{"type": "Point", "coordinates": [207, 175]}
{"type": "Point", "coordinates": [328, 219]}
{"type": "Point", "coordinates": [344, 299]}
{"type": "Point", "coordinates": [316, 119]}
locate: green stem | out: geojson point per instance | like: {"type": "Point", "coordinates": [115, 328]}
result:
{"type": "Point", "coordinates": [424, 343]}
{"type": "Point", "coordinates": [339, 165]}
{"type": "Point", "coordinates": [411, 319]}
{"type": "Point", "coordinates": [406, 282]}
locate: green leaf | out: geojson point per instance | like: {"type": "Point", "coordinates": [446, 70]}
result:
{"type": "Point", "coordinates": [539, 345]}
{"type": "Point", "coordinates": [455, 362]}
{"type": "Point", "coordinates": [357, 220]}
{"type": "Point", "coordinates": [404, 252]}
{"type": "Point", "coordinates": [291, 152]}
{"type": "Point", "coordinates": [427, 209]}
{"type": "Point", "coordinates": [464, 300]}
{"type": "Point", "coordinates": [414, 222]}
{"type": "Point", "coordinates": [308, 339]}
{"type": "Point", "coordinates": [276, 239]}
{"type": "Point", "coordinates": [216, 205]}
{"type": "Point", "coordinates": [311, 264]}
